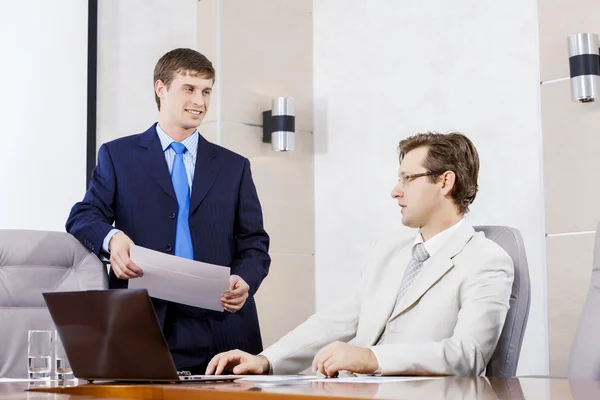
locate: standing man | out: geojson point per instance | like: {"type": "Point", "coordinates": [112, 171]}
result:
{"type": "Point", "coordinates": [170, 190]}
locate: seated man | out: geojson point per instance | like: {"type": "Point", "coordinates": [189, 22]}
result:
{"type": "Point", "coordinates": [433, 304]}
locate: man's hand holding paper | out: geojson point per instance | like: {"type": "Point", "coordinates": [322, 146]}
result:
{"type": "Point", "coordinates": [189, 282]}
{"type": "Point", "coordinates": [236, 295]}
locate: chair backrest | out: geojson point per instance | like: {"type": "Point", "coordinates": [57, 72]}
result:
{"type": "Point", "coordinates": [584, 360]}
{"type": "Point", "coordinates": [505, 359]}
{"type": "Point", "coordinates": [31, 263]}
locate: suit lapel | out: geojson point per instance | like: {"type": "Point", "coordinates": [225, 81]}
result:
{"type": "Point", "coordinates": [435, 268]}
{"type": "Point", "coordinates": [153, 158]}
{"type": "Point", "coordinates": [385, 298]}
{"type": "Point", "coordinates": [205, 174]}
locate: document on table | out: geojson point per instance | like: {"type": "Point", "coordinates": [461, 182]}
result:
{"type": "Point", "coordinates": [373, 379]}
{"type": "Point", "coordinates": [276, 378]}
{"type": "Point", "coordinates": [284, 379]}
{"type": "Point", "coordinates": [180, 280]}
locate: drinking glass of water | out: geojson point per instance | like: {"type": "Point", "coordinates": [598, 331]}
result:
{"type": "Point", "coordinates": [39, 351]}
{"type": "Point", "coordinates": [63, 369]}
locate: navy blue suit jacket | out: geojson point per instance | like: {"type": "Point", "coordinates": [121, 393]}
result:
{"type": "Point", "coordinates": [131, 187]}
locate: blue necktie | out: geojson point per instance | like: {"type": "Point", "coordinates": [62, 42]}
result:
{"type": "Point", "coordinates": [183, 239]}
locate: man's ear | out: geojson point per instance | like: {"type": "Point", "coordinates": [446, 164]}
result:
{"type": "Point", "coordinates": [159, 88]}
{"type": "Point", "coordinates": [448, 180]}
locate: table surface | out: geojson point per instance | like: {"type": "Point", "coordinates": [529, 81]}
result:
{"type": "Point", "coordinates": [438, 388]}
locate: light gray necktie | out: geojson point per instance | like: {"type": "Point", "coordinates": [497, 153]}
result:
{"type": "Point", "coordinates": [419, 256]}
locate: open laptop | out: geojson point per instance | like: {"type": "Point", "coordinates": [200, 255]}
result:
{"type": "Point", "coordinates": [115, 335]}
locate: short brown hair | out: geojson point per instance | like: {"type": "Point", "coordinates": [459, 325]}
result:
{"type": "Point", "coordinates": [181, 61]}
{"type": "Point", "coordinates": [449, 152]}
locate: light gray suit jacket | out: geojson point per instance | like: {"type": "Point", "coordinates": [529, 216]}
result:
{"type": "Point", "coordinates": [447, 323]}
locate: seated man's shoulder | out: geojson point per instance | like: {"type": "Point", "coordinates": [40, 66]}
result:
{"type": "Point", "coordinates": [487, 253]}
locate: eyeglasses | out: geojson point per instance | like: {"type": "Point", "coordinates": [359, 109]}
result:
{"type": "Point", "coordinates": [404, 179]}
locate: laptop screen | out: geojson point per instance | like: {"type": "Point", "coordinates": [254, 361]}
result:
{"type": "Point", "coordinates": [111, 335]}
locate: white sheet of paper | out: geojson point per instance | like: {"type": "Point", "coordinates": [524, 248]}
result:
{"type": "Point", "coordinates": [180, 280]}
{"type": "Point", "coordinates": [275, 378]}
{"type": "Point", "coordinates": [309, 378]}
{"type": "Point", "coordinates": [373, 379]}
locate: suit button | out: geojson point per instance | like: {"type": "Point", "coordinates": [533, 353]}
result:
{"type": "Point", "coordinates": [172, 215]}
{"type": "Point", "coordinates": [169, 247]}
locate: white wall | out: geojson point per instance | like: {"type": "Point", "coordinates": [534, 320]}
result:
{"type": "Point", "coordinates": [384, 70]}
{"type": "Point", "coordinates": [132, 36]}
{"type": "Point", "coordinates": [43, 65]}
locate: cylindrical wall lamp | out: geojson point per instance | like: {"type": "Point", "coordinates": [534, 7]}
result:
{"type": "Point", "coordinates": [584, 65]}
{"type": "Point", "coordinates": [279, 124]}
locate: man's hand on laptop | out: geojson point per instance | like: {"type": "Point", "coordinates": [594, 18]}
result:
{"type": "Point", "coordinates": [239, 362]}
{"type": "Point", "coordinates": [120, 262]}
{"type": "Point", "coordinates": [235, 297]}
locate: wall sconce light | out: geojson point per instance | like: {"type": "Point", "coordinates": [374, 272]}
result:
{"type": "Point", "coordinates": [584, 66]}
{"type": "Point", "coordinates": [279, 124]}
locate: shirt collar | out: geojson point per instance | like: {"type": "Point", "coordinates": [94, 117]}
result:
{"type": "Point", "coordinates": [434, 244]}
{"type": "Point", "coordinates": [190, 143]}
